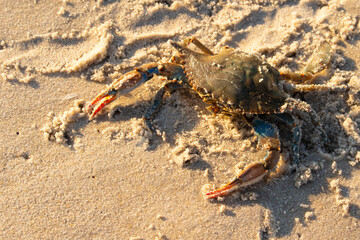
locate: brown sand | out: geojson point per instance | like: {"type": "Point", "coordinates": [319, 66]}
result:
{"type": "Point", "coordinates": [63, 177]}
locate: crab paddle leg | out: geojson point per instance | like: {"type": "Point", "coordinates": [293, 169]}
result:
{"type": "Point", "coordinates": [316, 64]}
{"type": "Point", "coordinates": [269, 138]}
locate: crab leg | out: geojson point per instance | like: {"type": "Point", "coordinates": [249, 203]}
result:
{"type": "Point", "coordinates": [133, 79]}
{"type": "Point", "coordinates": [198, 44]}
{"type": "Point", "coordinates": [293, 103]}
{"type": "Point", "coordinates": [292, 88]}
{"type": "Point", "coordinates": [269, 138]}
{"type": "Point", "coordinates": [320, 60]}
{"type": "Point", "coordinates": [155, 107]}
{"type": "Point", "coordinates": [291, 121]}
{"type": "Point", "coordinates": [317, 64]}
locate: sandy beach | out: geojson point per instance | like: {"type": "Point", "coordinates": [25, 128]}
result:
{"type": "Point", "coordinates": [63, 176]}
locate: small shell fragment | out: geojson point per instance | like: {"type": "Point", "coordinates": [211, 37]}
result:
{"type": "Point", "coordinates": [222, 209]}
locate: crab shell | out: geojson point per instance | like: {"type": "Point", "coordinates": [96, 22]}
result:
{"type": "Point", "coordinates": [235, 81]}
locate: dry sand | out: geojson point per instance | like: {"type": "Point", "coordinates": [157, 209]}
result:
{"type": "Point", "coordinates": [63, 177]}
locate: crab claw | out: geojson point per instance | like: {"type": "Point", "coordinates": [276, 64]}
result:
{"type": "Point", "coordinates": [268, 137]}
{"type": "Point", "coordinates": [125, 84]}
{"type": "Point", "coordinates": [250, 175]}
{"type": "Point", "coordinates": [100, 102]}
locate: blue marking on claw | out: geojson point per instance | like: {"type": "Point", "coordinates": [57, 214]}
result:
{"type": "Point", "coordinates": [147, 76]}
{"type": "Point", "coordinates": [112, 92]}
{"type": "Point", "coordinates": [144, 78]}
{"type": "Point", "coordinates": [263, 129]}
{"type": "Point", "coordinates": [154, 70]}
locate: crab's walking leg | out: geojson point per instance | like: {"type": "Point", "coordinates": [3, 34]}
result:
{"type": "Point", "coordinates": [293, 103]}
{"type": "Point", "coordinates": [315, 119]}
{"type": "Point", "coordinates": [198, 44]}
{"type": "Point", "coordinates": [133, 79]}
{"type": "Point", "coordinates": [296, 133]}
{"type": "Point", "coordinates": [182, 48]}
{"type": "Point", "coordinates": [155, 107]}
{"type": "Point", "coordinates": [293, 88]}
{"type": "Point", "coordinates": [269, 138]}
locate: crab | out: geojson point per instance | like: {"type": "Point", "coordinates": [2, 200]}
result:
{"type": "Point", "coordinates": [237, 84]}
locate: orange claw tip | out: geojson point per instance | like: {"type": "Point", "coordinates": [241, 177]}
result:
{"type": "Point", "coordinates": [224, 190]}
{"type": "Point", "coordinates": [218, 193]}
{"type": "Point", "coordinates": [91, 105]}
{"type": "Point", "coordinates": [100, 104]}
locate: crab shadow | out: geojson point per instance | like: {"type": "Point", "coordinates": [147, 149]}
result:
{"type": "Point", "coordinates": [289, 207]}
{"type": "Point", "coordinates": [166, 121]}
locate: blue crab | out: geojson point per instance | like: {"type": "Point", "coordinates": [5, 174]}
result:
{"type": "Point", "coordinates": [233, 83]}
